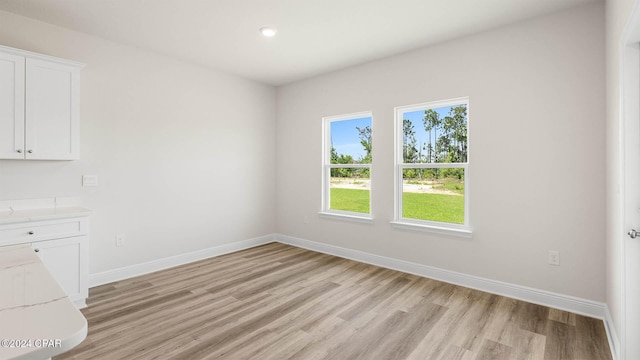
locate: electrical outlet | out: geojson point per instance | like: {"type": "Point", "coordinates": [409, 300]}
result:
{"type": "Point", "coordinates": [554, 257]}
{"type": "Point", "coordinates": [120, 240]}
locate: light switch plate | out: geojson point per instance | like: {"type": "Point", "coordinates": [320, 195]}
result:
{"type": "Point", "coordinates": [89, 180]}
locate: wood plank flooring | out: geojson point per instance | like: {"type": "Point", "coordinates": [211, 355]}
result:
{"type": "Point", "coordinates": [281, 302]}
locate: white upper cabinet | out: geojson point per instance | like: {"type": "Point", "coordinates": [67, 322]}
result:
{"type": "Point", "coordinates": [52, 127]}
{"type": "Point", "coordinates": [11, 106]}
{"type": "Point", "coordinates": [39, 106]}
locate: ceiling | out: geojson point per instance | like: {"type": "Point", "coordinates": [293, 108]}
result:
{"type": "Point", "coordinates": [314, 36]}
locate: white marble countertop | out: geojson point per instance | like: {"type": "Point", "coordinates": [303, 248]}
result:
{"type": "Point", "coordinates": [37, 319]}
{"type": "Point", "coordinates": [26, 215]}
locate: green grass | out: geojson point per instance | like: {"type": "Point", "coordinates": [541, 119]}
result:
{"type": "Point", "coordinates": [433, 207]}
{"type": "Point", "coordinates": [454, 185]}
{"type": "Point", "coordinates": [350, 200]}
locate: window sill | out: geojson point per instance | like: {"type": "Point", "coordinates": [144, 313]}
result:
{"type": "Point", "coordinates": [464, 233]}
{"type": "Point", "coordinates": [346, 217]}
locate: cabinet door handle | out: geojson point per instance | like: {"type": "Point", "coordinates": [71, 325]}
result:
{"type": "Point", "coordinates": [19, 151]}
{"type": "Point", "coordinates": [30, 233]}
{"type": "Point", "coordinates": [36, 250]}
{"type": "Point", "coordinates": [30, 151]}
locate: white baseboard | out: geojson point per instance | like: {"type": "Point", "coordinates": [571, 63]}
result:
{"type": "Point", "coordinates": [612, 334]}
{"type": "Point", "coordinates": [161, 264]}
{"type": "Point", "coordinates": [536, 296]}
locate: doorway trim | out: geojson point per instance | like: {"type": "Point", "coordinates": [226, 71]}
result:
{"type": "Point", "coordinates": [622, 343]}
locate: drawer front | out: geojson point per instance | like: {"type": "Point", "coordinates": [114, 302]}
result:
{"type": "Point", "coordinates": [38, 231]}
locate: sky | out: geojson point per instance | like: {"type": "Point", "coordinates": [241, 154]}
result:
{"type": "Point", "coordinates": [344, 135]}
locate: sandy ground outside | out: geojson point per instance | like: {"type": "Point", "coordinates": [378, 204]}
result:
{"type": "Point", "coordinates": [365, 184]}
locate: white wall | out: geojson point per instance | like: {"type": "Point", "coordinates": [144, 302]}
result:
{"type": "Point", "coordinates": [618, 12]}
{"type": "Point", "coordinates": [184, 155]}
{"type": "Point", "coordinates": [537, 148]}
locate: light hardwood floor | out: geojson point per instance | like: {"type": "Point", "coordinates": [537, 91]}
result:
{"type": "Point", "coordinates": [281, 302]}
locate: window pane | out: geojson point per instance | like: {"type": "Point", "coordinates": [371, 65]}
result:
{"type": "Point", "coordinates": [435, 194]}
{"type": "Point", "coordinates": [350, 190]}
{"type": "Point", "coordinates": [437, 135]}
{"type": "Point", "coordinates": [351, 141]}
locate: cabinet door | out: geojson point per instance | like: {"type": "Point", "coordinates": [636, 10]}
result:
{"type": "Point", "coordinates": [11, 106]}
{"type": "Point", "coordinates": [63, 258]}
{"type": "Point", "coordinates": [52, 123]}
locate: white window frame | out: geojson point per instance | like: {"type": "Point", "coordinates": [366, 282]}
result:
{"type": "Point", "coordinates": [327, 166]}
{"type": "Point", "coordinates": [461, 230]}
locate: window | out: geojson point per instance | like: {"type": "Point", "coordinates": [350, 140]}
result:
{"type": "Point", "coordinates": [432, 167]}
{"type": "Point", "coordinates": [346, 188]}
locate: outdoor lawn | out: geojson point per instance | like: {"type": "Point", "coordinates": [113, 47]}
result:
{"type": "Point", "coordinates": [415, 205]}
{"type": "Point", "coordinates": [355, 200]}
{"type": "Point", "coordinates": [433, 207]}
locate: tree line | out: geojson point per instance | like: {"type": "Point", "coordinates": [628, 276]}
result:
{"type": "Point", "coordinates": [446, 143]}
{"type": "Point", "coordinates": [365, 140]}
{"type": "Point", "coordinates": [449, 147]}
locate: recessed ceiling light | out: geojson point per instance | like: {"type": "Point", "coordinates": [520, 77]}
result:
{"type": "Point", "coordinates": [268, 32]}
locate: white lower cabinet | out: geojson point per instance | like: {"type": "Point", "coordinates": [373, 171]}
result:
{"type": "Point", "coordinates": [61, 244]}
{"type": "Point", "coordinates": [65, 261]}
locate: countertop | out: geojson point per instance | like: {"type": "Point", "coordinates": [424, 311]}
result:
{"type": "Point", "coordinates": [20, 216]}
{"type": "Point", "coordinates": [37, 319]}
